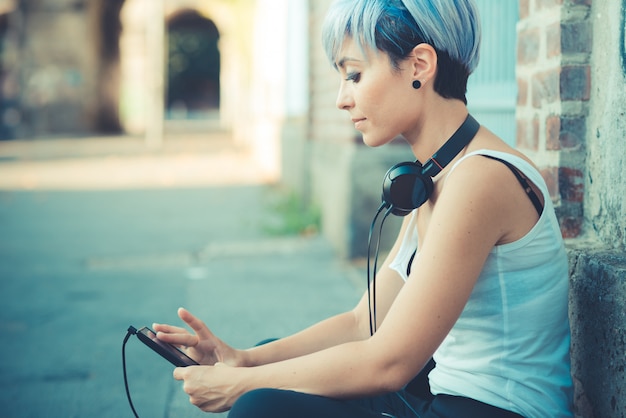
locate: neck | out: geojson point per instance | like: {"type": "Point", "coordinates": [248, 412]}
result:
{"type": "Point", "coordinates": [452, 147]}
{"type": "Point", "coordinates": [435, 128]}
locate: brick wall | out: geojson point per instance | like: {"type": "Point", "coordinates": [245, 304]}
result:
{"type": "Point", "coordinates": [570, 113]}
{"type": "Point", "coordinates": [554, 83]}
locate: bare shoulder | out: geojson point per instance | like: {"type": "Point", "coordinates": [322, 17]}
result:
{"type": "Point", "coordinates": [490, 190]}
{"type": "Point", "coordinates": [482, 174]}
{"type": "Point", "coordinates": [476, 171]}
{"type": "Point", "coordinates": [479, 183]}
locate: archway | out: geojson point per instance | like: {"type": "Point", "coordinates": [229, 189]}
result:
{"type": "Point", "coordinates": [193, 67]}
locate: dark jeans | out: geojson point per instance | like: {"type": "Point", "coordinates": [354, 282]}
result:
{"type": "Point", "coordinates": [415, 401]}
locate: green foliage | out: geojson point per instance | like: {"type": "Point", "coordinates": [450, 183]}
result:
{"type": "Point", "coordinates": [288, 214]}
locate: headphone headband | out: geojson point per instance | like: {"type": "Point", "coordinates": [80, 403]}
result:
{"type": "Point", "coordinates": [452, 147]}
{"type": "Point", "coordinates": [408, 185]}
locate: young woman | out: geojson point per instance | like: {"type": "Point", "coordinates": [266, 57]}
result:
{"type": "Point", "coordinates": [474, 292]}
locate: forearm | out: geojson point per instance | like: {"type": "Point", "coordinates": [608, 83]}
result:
{"type": "Point", "coordinates": [333, 331]}
{"type": "Point", "coordinates": [347, 370]}
{"type": "Point", "coordinates": [342, 371]}
{"type": "Point", "coordinates": [347, 327]}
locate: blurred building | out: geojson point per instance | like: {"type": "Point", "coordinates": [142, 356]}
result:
{"type": "Point", "coordinates": [94, 67]}
{"type": "Point", "coordinates": [551, 82]}
{"type": "Point", "coordinates": [59, 67]}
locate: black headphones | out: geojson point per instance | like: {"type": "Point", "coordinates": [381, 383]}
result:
{"type": "Point", "coordinates": [408, 185]}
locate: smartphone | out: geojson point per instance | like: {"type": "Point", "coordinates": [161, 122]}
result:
{"type": "Point", "coordinates": [166, 350]}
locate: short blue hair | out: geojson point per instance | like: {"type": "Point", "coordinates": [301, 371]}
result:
{"type": "Point", "coordinates": [451, 27]}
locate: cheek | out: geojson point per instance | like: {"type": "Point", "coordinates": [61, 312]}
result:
{"type": "Point", "coordinates": [376, 100]}
{"type": "Point", "coordinates": [391, 109]}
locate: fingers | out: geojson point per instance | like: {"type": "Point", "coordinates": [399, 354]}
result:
{"type": "Point", "coordinates": [183, 373]}
{"type": "Point", "coordinates": [180, 336]}
{"type": "Point", "coordinates": [203, 393]}
{"type": "Point", "coordinates": [170, 329]}
{"type": "Point", "coordinates": [175, 335]}
{"type": "Point", "coordinates": [196, 324]}
{"type": "Point", "coordinates": [180, 340]}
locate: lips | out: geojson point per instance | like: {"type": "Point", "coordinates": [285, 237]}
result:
{"type": "Point", "coordinates": [358, 122]}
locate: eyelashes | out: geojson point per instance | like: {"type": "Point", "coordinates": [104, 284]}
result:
{"type": "Point", "coordinates": [354, 77]}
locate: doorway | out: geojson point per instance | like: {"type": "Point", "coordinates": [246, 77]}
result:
{"type": "Point", "coordinates": [193, 67]}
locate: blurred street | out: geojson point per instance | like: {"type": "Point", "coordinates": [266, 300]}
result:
{"type": "Point", "coordinates": [99, 234]}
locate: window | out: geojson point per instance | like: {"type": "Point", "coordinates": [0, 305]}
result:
{"type": "Point", "coordinates": [492, 88]}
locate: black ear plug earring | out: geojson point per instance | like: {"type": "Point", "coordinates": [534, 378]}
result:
{"type": "Point", "coordinates": [417, 84]}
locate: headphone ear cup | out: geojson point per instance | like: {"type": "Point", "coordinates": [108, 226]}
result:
{"type": "Point", "coordinates": [405, 188]}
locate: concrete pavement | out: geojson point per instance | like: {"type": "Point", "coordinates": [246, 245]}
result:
{"type": "Point", "coordinates": [93, 239]}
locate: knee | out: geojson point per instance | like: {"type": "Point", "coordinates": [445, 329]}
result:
{"type": "Point", "coordinates": [258, 403]}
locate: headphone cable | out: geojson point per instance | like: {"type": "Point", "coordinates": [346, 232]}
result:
{"type": "Point", "coordinates": [372, 310]}
{"type": "Point", "coordinates": [131, 331]}
{"type": "Point", "coordinates": [371, 275]}
{"type": "Point", "coordinates": [369, 245]}
{"type": "Point", "coordinates": [375, 272]}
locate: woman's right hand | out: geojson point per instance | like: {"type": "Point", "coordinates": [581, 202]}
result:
{"type": "Point", "coordinates": [202, 345]}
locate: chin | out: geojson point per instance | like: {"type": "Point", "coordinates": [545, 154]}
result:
{"type": "Point", "coordinates": [375, 141]}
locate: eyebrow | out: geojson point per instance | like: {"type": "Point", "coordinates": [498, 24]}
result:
{"type": "Point", "coordinates": [342, 62]}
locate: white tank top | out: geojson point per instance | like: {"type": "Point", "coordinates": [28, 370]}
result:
{"type": "Point", "coordinates": [510, 346]}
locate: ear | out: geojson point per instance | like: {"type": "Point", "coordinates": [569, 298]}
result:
{"type": "Point", "coordinates": [423, 61]}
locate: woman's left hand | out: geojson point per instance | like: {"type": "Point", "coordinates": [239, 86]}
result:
{"type": "Point", "coordinates": [210, 388]}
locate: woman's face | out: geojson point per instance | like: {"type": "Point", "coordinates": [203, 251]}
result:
{"type": "Point", "coordinates": [380, 99]}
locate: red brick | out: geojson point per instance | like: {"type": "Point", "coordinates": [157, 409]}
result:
{"type": "Point", "coordinates": [528, 42]}
{"type": "Point", "coordinates": [576, 37]}
{"type": "Point", "coordinates": [522, 92]}
{"type": "Point", "coordinates": [571, 226]}
{"type": "Point", "coordinates": [571, 184]}
{"type": "Point", "coordinates": [553, 40]}
{"type": "Point", "coordinates": [545, 88]}
{"type": "Point", "coordinates": [572, 132]}
{"type": "Point", "coordinates": [553, 133]}
{"type": "Point", "coordinates": [575, 82]}
{"type": "Point", "coordinates": [527, 134]}
{"type": "Point", "coordinates": [563, 133]}
{"type": "Point", "coordinates": [535, 132]}
{"type": "Point", "coordinates": [550, 176]}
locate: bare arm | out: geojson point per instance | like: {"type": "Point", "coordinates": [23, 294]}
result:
{"type": "Point", "coordinates": [468, 221]}
{"type": "Point", "coordinates": [340, 329]}
{"type": "Point", "coordinates": [343, 328]}
{"type": "Point", "coordinates": [349, 326]}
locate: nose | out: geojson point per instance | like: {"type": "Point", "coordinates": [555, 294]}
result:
{"type": "Point", "coordinates": [345, 100]}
